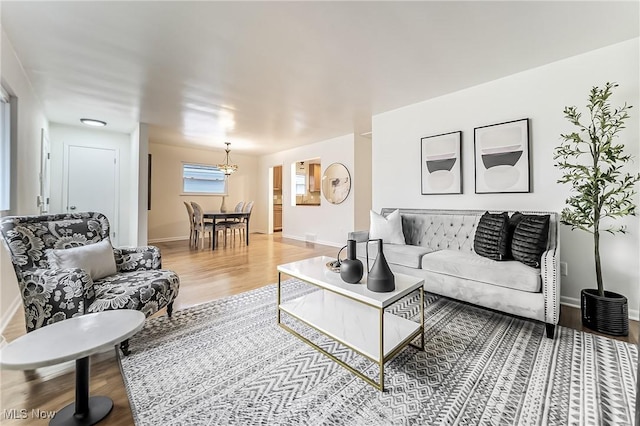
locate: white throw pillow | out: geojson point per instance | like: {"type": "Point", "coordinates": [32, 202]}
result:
{"type": "Point", "coordinates": [388, 228]}
{"type": "Point", "coordinates": [97, 259]}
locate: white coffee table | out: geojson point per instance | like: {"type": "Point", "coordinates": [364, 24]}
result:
{"type": "Point", "coordinates": [351, 314]}
{"type": "Point", "coordinates": [74, 339]}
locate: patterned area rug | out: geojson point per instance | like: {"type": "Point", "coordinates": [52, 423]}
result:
{"type": "Point", "coordinates": [227, 362]}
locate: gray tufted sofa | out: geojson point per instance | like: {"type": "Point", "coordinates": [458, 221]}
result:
{"type": "Point", "coordinates": [440, 250]}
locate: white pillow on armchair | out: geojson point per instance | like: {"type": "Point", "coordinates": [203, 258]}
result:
{"type": "Point", "coordinates": [97, 259]}
{"type": "Point", "coordinates": [389, 228]}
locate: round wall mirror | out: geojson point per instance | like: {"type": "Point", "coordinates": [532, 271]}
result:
{"type": "Point", "coordinates": [336, 183]}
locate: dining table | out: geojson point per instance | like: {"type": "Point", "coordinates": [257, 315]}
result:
{"type": "Point", "coordinates": [218, 216]}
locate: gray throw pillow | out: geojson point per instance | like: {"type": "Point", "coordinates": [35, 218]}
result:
{"type": "Point", "coordinates": [97, 259]}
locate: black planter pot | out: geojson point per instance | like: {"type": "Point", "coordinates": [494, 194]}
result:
{"type": "Point", "coordinates": [608, 314]}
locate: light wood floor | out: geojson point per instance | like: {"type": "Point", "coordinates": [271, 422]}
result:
{"type": "Point", "coordinates": [205, 275]}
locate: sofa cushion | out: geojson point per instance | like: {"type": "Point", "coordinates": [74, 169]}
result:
{"type": "Point", "coordinates": [530, 239]}
{"type": "Point", "coordinates": [145, 291]}
{"type": "Point", "coordinates": [510, 274]}
{"type": "Point", "coordinates": [492, 235]}
{"type": "Point", "coordinates": [389, 228]}
{"type": "Point", "coordinates": [398, 254]}
{"type": "Point", "coordinates": [440, 231]}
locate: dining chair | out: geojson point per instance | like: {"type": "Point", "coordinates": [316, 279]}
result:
{"type": "Point", "coordinates": [229, 222]}
{"type": "Point", "coordinates": [200, 226]}
{"type": "Point", "coordinates": [237, 209]}
{"type": "Point", "coordinates": [241, 226]}
{"type": "Point", "coordinates": [248, 207]}
{"type": "Point", "coordinates": [192, 230]}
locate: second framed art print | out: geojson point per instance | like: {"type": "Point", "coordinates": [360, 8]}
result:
{"type": "Point", "coordinates": [502, 157]}
{"type": "Point", "coordinates": [440, 164]}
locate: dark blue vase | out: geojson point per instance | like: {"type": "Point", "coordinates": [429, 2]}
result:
{"type": "Point", "coordinates": [351, 269]}
{"type": "Point", "coordinates": [380, 278]}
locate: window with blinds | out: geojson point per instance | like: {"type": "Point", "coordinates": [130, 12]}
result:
{"type": "Point", "coordinates": [201, 179]}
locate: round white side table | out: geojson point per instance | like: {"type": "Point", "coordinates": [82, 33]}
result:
{"type": "Point", "coordinates": [74, 339]}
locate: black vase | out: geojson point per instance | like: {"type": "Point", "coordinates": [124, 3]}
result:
{"type": "Point", "coordinates": [380, 278]}
{"type": "Point", "coordinates": [351, 269]}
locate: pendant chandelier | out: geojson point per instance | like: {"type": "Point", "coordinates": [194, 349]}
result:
{"type": "Point", "coordinates": [227, 168]}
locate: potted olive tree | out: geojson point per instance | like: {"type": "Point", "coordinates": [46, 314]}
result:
{"type": "Point", "coordinates": [592, 163]}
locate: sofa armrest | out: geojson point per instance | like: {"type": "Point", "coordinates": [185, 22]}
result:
{"type": "Point", "coordinates": [137, 258]}
{"type": "Point", "coordinates": [52, 295]}
{"type": "Point", "coordinates": [359, 236]}
{"type": "Point", "coordinates": [550, 274]}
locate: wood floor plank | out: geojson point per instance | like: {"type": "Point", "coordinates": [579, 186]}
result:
{"type": "Point", "coordinates": [205, 275]}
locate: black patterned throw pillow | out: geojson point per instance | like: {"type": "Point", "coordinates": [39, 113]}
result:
{"type": "Point", "coordinates": [530, 239]}
{"type": "Point", "coordinates": [513, 222]}
{"type": "Point", "coordinates": [492, 236]}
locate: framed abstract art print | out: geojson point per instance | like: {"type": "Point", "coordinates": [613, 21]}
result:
{"type": "Point", "coordinates": [441, 163]}
{"type": "Point", "coordinates": [502, 157]}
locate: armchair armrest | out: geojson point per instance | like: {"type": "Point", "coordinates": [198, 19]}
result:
{"type": "Point", "coordinates": [550, 274]}
{"type": "Point", "coordinates": [359, 236]}
{"type": "Point", "coordinates": [137, 258]}
{"type": "Point", "coordinates": [51, 295]}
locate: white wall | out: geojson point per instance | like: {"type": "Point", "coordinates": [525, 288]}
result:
{"type": "Point", "coordinates": [61, 135]}
{"type": "Point", "coordinates": [31, 120]}
{"type": "Point", "coordinates": [539, 94]}
{"type": "Point", "coordinates": [134, 192]}
{"type": "Point", "coordinates": [362, 189]}
{"type": "Point", "coordinates": [26, 187]}
{"type": "Point", "coordinates": [139, 157]}
{"type": "Point", "coordinates": [168, 216]}
{"type": "Point", "coordinates": [327, 223]}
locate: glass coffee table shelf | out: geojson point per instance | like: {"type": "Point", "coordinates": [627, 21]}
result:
{"type": "Point", "coordinates": [351, 314]}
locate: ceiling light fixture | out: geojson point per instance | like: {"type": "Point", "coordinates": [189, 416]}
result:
{"type": "Point", "coordinates": [227, 168]}
{"type": "Point", "coordinates": [92, 122]}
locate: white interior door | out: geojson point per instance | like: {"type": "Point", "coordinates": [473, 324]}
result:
{"type": "Point", "coordinates": [91, 177]}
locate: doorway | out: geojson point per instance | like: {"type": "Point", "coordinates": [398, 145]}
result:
{"type": "Point", "coordinates": [277, 199]}
{"type": "Point", "coordinates": [91, 183]}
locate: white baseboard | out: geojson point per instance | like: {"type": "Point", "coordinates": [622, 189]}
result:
{"type": "Point", "coordinates": [575, 303]}
{"type": "Point", "coordinates": [185, 238]}
{"type": "Point", "coordinates": [9, 313]}
{"type": "Point", "coordinates": [166, 240]}
{"type": "Point", "coordinates": [324, 243]}
{"type": "Point", "coordinates": [570, 301]}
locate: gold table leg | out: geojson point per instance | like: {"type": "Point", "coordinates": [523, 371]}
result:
{"type": "Point", "coordinates": [421, 321]}
{"type": "Point", "coordinates": [278, 292]}
{"type": "Point", "coordinates": [381, 360]}
{"type": "Point", "coordinates": [422, 317]}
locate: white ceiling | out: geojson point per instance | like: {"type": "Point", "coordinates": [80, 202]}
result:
{"type": "Point", "coordinates": [269, 76]}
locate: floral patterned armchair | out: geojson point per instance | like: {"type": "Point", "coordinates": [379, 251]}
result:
{"type": "Point", "coordinates": [50, 295]}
